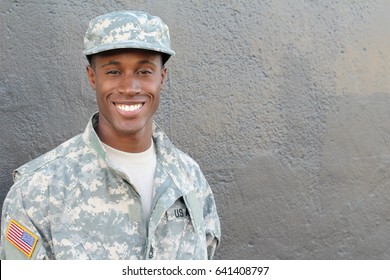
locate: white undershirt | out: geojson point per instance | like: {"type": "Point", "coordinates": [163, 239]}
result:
{"type": "Point", "coordinates": [140, 168]}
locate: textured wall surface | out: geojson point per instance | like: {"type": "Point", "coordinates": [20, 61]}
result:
{"type": "Point", "coordinates": [285, 104]}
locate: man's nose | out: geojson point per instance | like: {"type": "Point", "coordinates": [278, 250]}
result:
{"type": "Point", "coordinates": [129, 85]}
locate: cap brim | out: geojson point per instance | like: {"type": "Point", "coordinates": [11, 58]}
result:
{"type": "Point", "coordinates": [127, 45]}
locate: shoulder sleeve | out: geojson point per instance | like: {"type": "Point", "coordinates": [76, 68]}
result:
{"type": "Point", "coordinates": [21, 234]}
{"type": "Point", "coordinates": [210, 217]}
{"type": "Point", "coordinates": [212, 223]}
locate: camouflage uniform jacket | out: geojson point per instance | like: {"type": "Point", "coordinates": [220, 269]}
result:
{"type": "Point", "coordinates": [72, 204]}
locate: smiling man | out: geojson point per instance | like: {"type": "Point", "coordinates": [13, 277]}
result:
{"type": "Point", "coordinates": [120, 190]}
{"type": "Point", "coordinates": [127, 84]}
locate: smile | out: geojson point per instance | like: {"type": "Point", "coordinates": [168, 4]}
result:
{"type": "Point", "coordinates": [129, 108]}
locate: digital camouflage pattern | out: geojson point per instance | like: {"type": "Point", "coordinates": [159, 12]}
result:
{"type": "Point", "coordinates": [80, 207]}
{"type": "Point", "coordinates": [127, 29]}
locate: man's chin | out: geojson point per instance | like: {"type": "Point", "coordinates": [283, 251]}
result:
{"type": "Point", "coordinates": [132, 129]}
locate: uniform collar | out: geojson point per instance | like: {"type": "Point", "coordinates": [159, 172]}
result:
{"type": "Point", "coordinates": [167, 154]}
{"type": "Point", "coordinates": [170, 158]}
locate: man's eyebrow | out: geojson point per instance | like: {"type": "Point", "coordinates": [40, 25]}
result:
{"type": "Point", "coordinates": [112, 62]}
{"type": "Point", "coordinates": [116, 63]}
{"type": "Point", "coordinates": [146, 61]}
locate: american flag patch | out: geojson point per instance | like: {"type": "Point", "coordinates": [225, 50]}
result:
{"type": "Point", "coordinates": [22, 238]}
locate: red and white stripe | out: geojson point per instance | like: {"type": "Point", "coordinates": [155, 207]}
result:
{"type": "Point", "coordinates": [15, 234]}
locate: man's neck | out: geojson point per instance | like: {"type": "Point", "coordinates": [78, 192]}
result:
{"type": "Point", "coordinates": [130, 143]}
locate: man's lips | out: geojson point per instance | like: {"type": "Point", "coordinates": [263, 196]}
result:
{"type": "Point", "coordinates": [129, 107]}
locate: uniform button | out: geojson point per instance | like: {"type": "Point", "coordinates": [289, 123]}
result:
{"type": "Point", "coordinates": [151, 252]}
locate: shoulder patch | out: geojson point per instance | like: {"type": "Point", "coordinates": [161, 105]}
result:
{"type": "Point", "coordinates": [21, 238]}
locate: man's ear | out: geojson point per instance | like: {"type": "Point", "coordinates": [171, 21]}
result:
{"type": "Point", "coordinates": [91, 76]}
{"type": "Point", "coordinates": [163, 75]}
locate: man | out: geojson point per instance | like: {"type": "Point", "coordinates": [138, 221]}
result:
{"type": "Point", "coordinates": [120, 190]}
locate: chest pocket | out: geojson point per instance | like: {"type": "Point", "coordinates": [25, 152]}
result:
{"type": "Point", "coordinates": [80, 245]}
{"type": "Point", "coordinates": [177, 235]}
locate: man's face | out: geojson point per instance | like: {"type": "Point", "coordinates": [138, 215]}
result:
{"type": "Point", "coordinates": [127, 84]}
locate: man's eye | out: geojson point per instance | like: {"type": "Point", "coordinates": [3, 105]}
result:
{"type": "Point", "coordinates": [145, 72]}
{"type": "Point", "coordinates": [113, 72]}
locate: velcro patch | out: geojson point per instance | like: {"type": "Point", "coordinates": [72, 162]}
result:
{"type": "Point", "coordinates": [21, 238]}
{"type": "Point", "coordinates": [177, 213]}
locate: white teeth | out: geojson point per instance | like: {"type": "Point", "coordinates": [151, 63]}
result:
{"type": "Point", "coordinates": [129, 108]}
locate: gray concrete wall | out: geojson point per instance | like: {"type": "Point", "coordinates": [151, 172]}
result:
{"type": "Point", "coordinates": [284, 104]}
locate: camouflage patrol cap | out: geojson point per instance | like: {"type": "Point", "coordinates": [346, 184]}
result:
{"type": "Point", "coordinates": [127, 29]}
